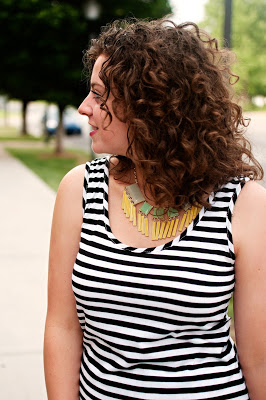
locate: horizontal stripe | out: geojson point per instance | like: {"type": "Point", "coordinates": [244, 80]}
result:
{"type": "Point", "coordinates": [155, 319]}
{"type": "Point", "coordinates": [84, 288]}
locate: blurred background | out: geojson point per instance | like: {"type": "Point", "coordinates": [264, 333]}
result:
{"type": "Point", "coordinates": [42, 137]}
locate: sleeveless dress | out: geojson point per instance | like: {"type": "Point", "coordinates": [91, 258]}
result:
{"type": "Point", "coordinates": [155, 320]}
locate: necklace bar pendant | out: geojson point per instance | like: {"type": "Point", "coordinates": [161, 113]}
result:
{"type": "Point", "coordinates": [157, 230]}
{"type": "Point", "coordinates": [175, 227]}
{"type": "Point", "coordinates": [124, 198]}
{"type": "Point", "coordinates": [139, 221]}
{"type": "Point", "coordinates": [145, 208]}
{"type": "Point", "coordinates": [135, 194]}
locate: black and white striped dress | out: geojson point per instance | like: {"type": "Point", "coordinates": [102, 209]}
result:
{"type": "Point", "coordinates": [155, 319]}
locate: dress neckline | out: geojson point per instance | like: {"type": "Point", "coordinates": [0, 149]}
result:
{"type": "Point", "coordinates": [126, 247]}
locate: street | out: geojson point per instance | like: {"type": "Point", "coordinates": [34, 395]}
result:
{"type": "Point", "coordinates": [256, 133]}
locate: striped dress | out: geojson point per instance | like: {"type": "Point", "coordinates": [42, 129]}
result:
{"type": "Point", "coordinates": [155, 319]}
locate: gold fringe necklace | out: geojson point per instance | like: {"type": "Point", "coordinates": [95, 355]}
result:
{"type": "Point", "coordinates": [161, 227]}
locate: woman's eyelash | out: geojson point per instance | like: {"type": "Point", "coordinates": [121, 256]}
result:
{"type": "Point", "coordinates": [96, 94]}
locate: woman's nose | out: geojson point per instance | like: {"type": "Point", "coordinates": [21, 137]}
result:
{"type": "Point", "coordinates": [85, 108]}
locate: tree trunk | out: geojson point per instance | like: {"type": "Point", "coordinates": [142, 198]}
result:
{"type": "Point", "coordinates": [59, 148]}
{"type": "Point", "coordinates": [5, 113]}
{"type": "Point", "coordinates": [228, 23]}
{"type": "Point", "coordinates": [24, 114]}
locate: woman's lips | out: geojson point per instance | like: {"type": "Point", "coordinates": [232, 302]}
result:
{"type": "Point", "coordinates": [93, 132]}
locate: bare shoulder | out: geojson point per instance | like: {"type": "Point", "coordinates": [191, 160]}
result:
{"type": "Point", "coordinates": [251, 200]}
{"type": "Point", "coordinates": [68, 205]}
{"type": "Point", "coordinates": [252, 191]}
{"type": "Point", "coordinates": [72, 181]}
{"type": "Point", "coordinates": [249, 214]}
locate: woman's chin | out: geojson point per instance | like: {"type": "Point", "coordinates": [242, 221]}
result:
{"type": "Point", "coordinates": [98, 149]}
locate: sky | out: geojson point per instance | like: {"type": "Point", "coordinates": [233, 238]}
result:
{"type": "Point", "coordinates": [188, 10]}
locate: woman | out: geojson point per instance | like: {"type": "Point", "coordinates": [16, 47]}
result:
{"type": "Point", "coordinates": [170, 226]}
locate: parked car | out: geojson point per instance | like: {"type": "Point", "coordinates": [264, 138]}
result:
{"type": "Point", "coordinates": [71, 121]}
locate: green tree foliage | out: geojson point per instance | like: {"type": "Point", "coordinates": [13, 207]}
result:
{"type": "Point", "coordinates": [136, 8]}
{"type": "Point", "coordinates": [248, 40]}
{"type": "Point", "coordinates": [118, 9]}
{"type": "Point", "coordinates": [41, 46]}
{"type": "Point", "coordinates": [42, 41]}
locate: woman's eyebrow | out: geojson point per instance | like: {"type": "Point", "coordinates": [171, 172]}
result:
{"type": "Point", "coordinates": [93, 84]}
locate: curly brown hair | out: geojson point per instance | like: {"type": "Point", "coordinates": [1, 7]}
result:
{"type": "Point", "coordinates": [173, 85]}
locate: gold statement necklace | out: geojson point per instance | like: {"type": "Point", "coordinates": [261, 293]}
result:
{"type": "Point", "coordinates": [161, 227]}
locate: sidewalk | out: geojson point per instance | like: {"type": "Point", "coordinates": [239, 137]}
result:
{"type": "Point", "coordinates": [26, 206]}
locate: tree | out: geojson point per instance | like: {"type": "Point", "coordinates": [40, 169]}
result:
{"type": "Point", "coordinates": [42, 42]}
{"type": "Point", "coordinates": [248, 40]}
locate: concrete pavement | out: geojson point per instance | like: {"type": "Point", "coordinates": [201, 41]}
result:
{"type": "Point", "coordinates": [26, 206]}
{"type": "Point", "coordinates": [256, 133]}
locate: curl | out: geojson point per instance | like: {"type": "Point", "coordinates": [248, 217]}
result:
{"type": "Point", "coordinates": [173, 85]}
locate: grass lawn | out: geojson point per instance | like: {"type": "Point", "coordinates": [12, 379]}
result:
{"type": "Point", "coordinates": [47, 165]}
{"type": "Point", "coordinates": [11, 133]}
{"type": "Point", "coordinates": [252, 107]}
{"type": "Point", "coordinates": [231, 312]}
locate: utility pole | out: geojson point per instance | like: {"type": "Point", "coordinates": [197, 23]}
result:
{"type": "Point", "coordinates": [227, 23]}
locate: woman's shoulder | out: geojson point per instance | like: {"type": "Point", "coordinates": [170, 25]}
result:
{"type": "Point", "coordinates": [250, 208]}
{"type": "Point", "coordinates": [73, 179]}
{"type": "Point", "coordinates": [69, 194]}
{"type": "Point", "coordinates": [68, 211]}
{"type": "Point", "coordinates": [252, 196]}
{"type": "Point", "coordinates": [249, 213]}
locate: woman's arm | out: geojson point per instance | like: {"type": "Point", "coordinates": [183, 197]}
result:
{"type": "Point", "coordinates": [63, 335]}
{"type": "Point", "coordinates": [249, 233]}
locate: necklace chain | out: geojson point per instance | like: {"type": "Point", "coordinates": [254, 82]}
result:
{"type": "Point", "coordinates": [135, 175]}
